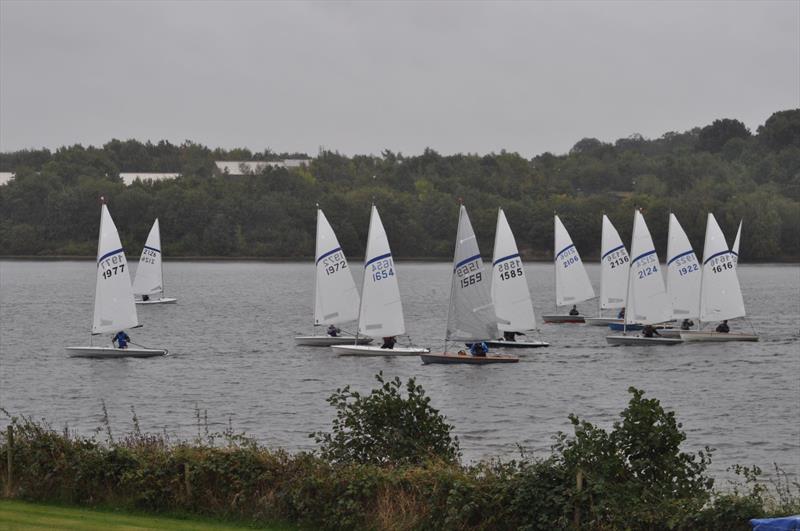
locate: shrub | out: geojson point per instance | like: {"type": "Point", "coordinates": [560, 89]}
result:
{"type": "Point", "coordinates": [384, 428]}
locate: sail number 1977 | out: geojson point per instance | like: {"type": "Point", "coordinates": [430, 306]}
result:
{"type": "Point", "coordinates": [113, 265]}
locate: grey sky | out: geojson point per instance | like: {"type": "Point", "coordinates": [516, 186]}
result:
{"type": "Point", "coordinates": [362, 77]}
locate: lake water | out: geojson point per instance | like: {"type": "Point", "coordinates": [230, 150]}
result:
{"type": "Point", "coordinates": [232, 354]}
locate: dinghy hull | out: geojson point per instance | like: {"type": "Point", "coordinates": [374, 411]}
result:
{"type": "Point", "coordinates": [499, 343]}
{"type": "Point", "coordinates": [641, 341]}
{"type": "Point", "coordinates": [716, 337]}
{"type": "Point", "coordinates": [165, 300]}
{"type": "Point", "coordinates": [374, 350]}
{"type": "Point", "coordinates": [113, 352]}
{"type": "Point", "coordinates": [602, 321]}
{"type": "Point", "coordinates": [447, 358]}
{"type": "Point", "coordinates": [559, 319]}
{"type": "Point", "coordinates": [327, 341]}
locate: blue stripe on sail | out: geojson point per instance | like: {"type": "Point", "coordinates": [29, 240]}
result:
{"type": "Point", "coordinates": [152, 249]}
{"type": "Point", "coordinates": [715, 255]}
{"type": "Point", "coordinates": [565, 249]}
{"type": "Point", "coordinates": [509, 257]}
{"type": "Point", "coordinates": [612, 250]}
{"type": "Point", "coordinates": [328, 254]}
{"type": "Point", "coordinates": [381, 257]}
{"type": "Point", "coordinates": [734, 253]}
{"type": "Point", "coordinates": [466, 261]}
{"type": "Point", "coordinates": [643, 255]}
{"type": "Point", "coordinates": [680, 256]}
{"type": "Point", "coordinates": [110, 253]}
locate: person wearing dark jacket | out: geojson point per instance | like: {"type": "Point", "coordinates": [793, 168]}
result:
{"type": "Point", "coordinates": [121, 339]}
{"type": "Point", "coordinates": [687, 324]}
{"type": "Point", "coordinates": [574, 310]}
{"type": "Point", "coordinates": [389, 342]}
{"type": "Point", "coordinates": [650, 331]}
{"type": "Point", "coordinates": [723, 327]}
{"type": "Point", "coordinates": [479, 349]}
{"type": "Point", "coordinates": [333, 331]}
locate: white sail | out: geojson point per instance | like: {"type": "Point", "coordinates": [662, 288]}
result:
{"type": "Point", "coordinates": [614, 266]}
{"type": "Point", "coordinates": [647, 299]}
{"type": "Point", "coordinates": [114, 309]}
{"type": "Point", "coordinates": [720, 294]}
{"type": "Point", "coordinates": [471, 315]}
{"type": "Point", "coordinates": [336, 296]}
{"type": "Point", "coordinates": [735, 248]}
{"type": "Point", "coordinates": [572, 282]}
{"type": "Point", "coordinates": [510, 294]}
{"type": "Point", "coordinates": [381, 308]}
{"type": "Point", "coordinates": [149, 276]}
{"type": "Point", "coordinates": [683, 273]}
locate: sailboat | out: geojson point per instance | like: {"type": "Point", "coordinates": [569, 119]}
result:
{"type": "Point", "coordinates": [720, 293]}
{"type": "Point", "coordinates": [381, 311]}
{"type": "Point", "coordinates": [647, 301]}
{"type": "Point", "coordinates": [114, 310]}
{"type": "Point", "coordinates": [572, 282]}
{"type": "Point", "coordinates": [149, 281]}
{"type": "Point", "coordinates": [470, 315]}
{"type": "Point", "coordinates": [510, 294]}
{"type": "Point", "coordinates": [335, 295]}
{"type": "Point", "coordinates": [683, 276]}
{"type": "Point", "coordinates": [614, 266]}
{"type": "Point", "coordinates": [735, 247]}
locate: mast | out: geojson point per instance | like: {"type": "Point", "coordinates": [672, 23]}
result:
{"type": "Point", "coordinates": [161, 259]}
{"type": "Point", "coordinates": [450, 302]}
{"type": "Point", "coordinates": [364, 276]}
{"type": "Point", "coordinates": [316, 276]}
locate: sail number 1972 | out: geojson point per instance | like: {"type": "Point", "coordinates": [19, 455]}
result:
{"type": "Point", "coordinates": [334, 263]}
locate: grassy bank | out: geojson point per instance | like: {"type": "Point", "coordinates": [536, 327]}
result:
{"type": "Point", "coordinates": [32, 516]}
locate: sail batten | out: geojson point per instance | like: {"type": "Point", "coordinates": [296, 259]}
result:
{"type": "Point", "coordinates": [335, 293]}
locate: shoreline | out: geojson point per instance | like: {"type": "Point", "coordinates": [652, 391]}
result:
{"type": "Point", "coordinates": [293, 259]}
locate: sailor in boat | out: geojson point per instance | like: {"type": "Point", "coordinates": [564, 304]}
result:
{"type": "Point", "coordinates": [479, 349]}
{"type": "Point", "coordinates": [145, 298]}
{"type": "Point", "coordinates": [621, 314]}
{"type": "Point", "coordinates": [723, 327]}
{"type": "Point", "coordinates": [574, 310]}
{"type": "Point", "coordinates": [389, 342]}
{"type": "Point", "coordinates": [650, 331]}
{"type": "Point", "coordinates": [687, 324]}
{"type": "Point", "coordinates": [121, 339]}
{"type": "Point", "coordinates": [333, 331]}
{"type": "Point", "coordinates": [511, 336]}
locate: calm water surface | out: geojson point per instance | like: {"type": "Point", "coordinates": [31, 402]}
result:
{"type": "Point", "coordinates": [232, 354]}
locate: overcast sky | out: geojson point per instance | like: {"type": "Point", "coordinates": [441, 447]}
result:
{"type": "Point", "coordinates": [363, 77]}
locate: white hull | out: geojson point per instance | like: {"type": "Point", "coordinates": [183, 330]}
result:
{"type": "Point", "coordinates": [164, 300]}
{"type": "Point", "coordinates": [602, 321]}
{"type": "Point", "coordinates": [502, 343]}
{"type": "Point", "coordinates": [373, 350]}
{"type": "Point", "coordinates": [448, 358]}
{"type": "Point", "coordinates": [558, 319]}
{"type": "Point", "coordinates": [327, 341]}
{"type": "Point", "coordinates": [716, 337]}
{"type": "Point", "coordinates": [113, 352]}
{"type": "Point", "coordinates": [641, 341]}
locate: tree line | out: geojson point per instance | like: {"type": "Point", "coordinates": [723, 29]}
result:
{"type": "Point", "coordinates": [51, 206]}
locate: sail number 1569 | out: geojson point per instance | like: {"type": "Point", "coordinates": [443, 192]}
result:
{"type": "Point", "coordinates": [469, 274]}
